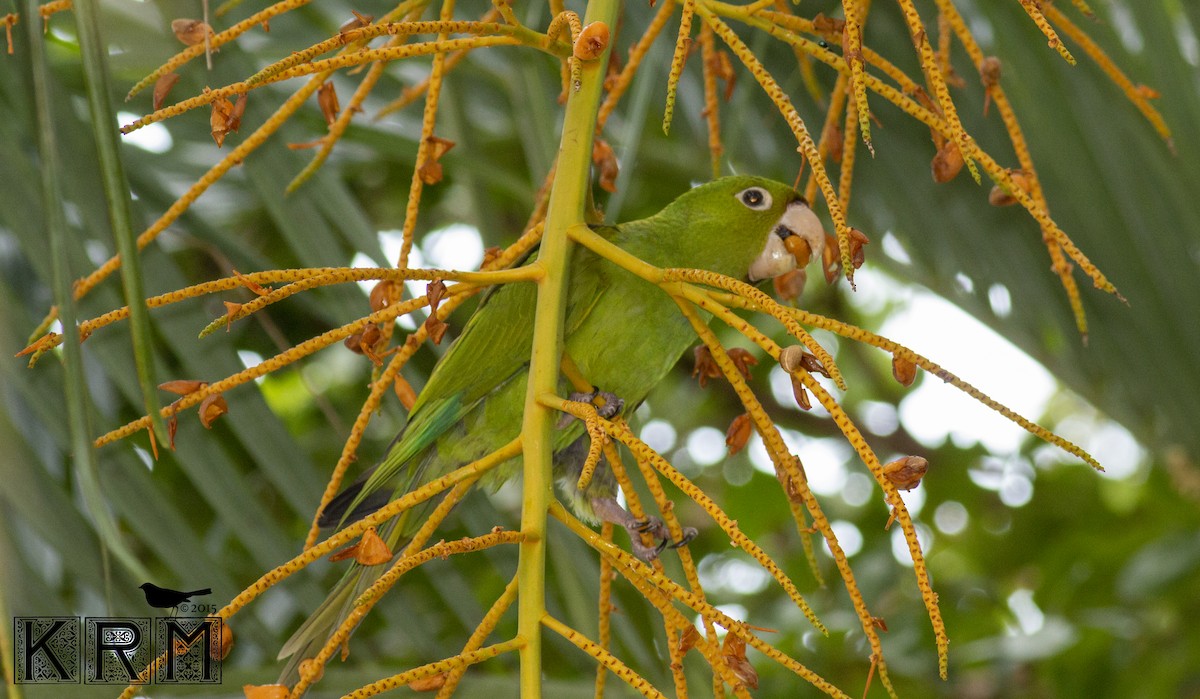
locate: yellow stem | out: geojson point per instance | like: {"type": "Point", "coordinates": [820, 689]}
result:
{"type": "Point", "coordinates": [566, 209]}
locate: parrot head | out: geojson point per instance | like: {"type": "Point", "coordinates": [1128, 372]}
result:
{"type": "Point", "coordinates": [744, 227]}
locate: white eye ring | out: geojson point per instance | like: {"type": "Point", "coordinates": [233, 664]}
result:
{"type": "Point", "coordinates": [755, 198]}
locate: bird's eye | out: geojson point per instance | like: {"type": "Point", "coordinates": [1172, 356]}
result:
{"type": "Point", "coordinates": [755, 198]}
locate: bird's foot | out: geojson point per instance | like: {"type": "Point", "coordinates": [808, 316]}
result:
{"type": "Point", "coordinates": [609, 510]}
{"type": "Point", "coordinates": [610, 408]}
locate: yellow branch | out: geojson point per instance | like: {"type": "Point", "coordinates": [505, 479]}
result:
{"type": "Point", "coordinates": [565, 210]}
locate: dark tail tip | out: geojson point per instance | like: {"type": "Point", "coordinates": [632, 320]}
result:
{"type": "Point", "coordinates": [337, 512]}
{"type": "Point", "coordinates": [205, 591]}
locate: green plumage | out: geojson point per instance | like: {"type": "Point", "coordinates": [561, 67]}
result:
{"type": "Point", "coordinates": [623, 333]}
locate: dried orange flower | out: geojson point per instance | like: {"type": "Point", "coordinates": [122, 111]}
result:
{"type": "Point", "coordinates": [829, 259]}
{"type": "Point", "coordinates": [606, 161]}
{"type": "Point", "coordinates": [429, 684]}
{"type": "Point", "coordinates": [947, 163]}
{"type": "Point", "coordinates": [220, 118]}
{"type": "Point", "coordinates": [738, 433]}
{"type": "Point", "coordinates": [705, 367]}
{"type": "Point", "coordinates": [162, 86]}
{"type": "Point", "coordinates": [435, 291]}
{"type": "Point", "coordinates": [904, 370]}
{"type": "Point", "coordinates": [436, 329]}
{"type": "Point", "coordinates": [789, 285]}
{"type": "Point", "coordinates": [182, 387]}
{"type": "Point", "coordinates": [327, 100]}
{"type": "Point", "coordinates": [357, 22]}
{"type": "Point", "coordinates": [999, 197]}
{"type": "Point", "coordinates": [190, 31]}
{"type": "Point", "coordinates": [743, 360]}
{"type": "Point", "coordinates": [829, 27]}
{"type": "Point", "coordinates": [384, 294]}
{"type": "Point", "coordinates": [688, 640]}
{"type": "Point", "coordinates": [734, 653]}
{"type": "Point", "coordinates": [801, 394]}
{"type": "Point", "coordinates": [857, 254]}
{"type": "Point", "coordinates": [212, 408]}
{"type": "Point", "coordinates": [431, 170]}
{"type": "Point", "coordinates": [258, 289]}
{"type": "Point", "coordinates": [906, 472]}
{"type": "Point", "coordinates": [372, 550]}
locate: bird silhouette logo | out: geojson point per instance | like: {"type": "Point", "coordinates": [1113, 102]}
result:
{"type": "Point", "coordinates": [166, 598]}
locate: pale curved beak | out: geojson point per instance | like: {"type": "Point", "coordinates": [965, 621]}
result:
{"type": "Point", "coordinates": [776, 258]}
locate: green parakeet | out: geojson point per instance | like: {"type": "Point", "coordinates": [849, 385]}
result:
{"type": "Point", "coordinates": [623, 333]}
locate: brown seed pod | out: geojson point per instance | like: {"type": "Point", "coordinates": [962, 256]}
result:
{"type": "Point", "coordinates": [591, 42]}
{"type": "Point", "coordinates": [429, 684]}
{"type": "Point", "coordinates": [688, 640]}
{"type": "Point", "coordinates": [904, 370]}
{"type": "Point", "coordinates": [999, 197]}
{"type": "Point", "coordinates": [358, 21]}
{"type": "Point", "coordinates": [947, 163]}
{"type": "Point", "coordinates": [743, 360]}
{"type": "Point", "coordinates": [182, 387]}
{"type": "Point", "coordinates": [436, 329]}
{"type": "Point", "coordinates": [430, 171]}
{"type": "Point", "coordinates": [354, 343]}
{"type": "Point", "coordinates": [212, 408]}
{"type": "Point", "coordinates": [162, 86]}
{"type": "Point", "coordinates": [219, 119]}
{"type": "Point", "coordinates": [733, 652]}
{"type": "Point", "coordinates": [327, 100]}
{"type": "Point", "coordinates": [789, 285]}
{"type": "Point", "coordinates": [384, 294]}
{"type": "Point", "coordinates": [738, 433]}
{"type": "Point", "coordinates": [190, 31]}
{"type": "Point", "coordinates": [372, 550]}
{"type": "Point", "coordinates": [906, 472]}
{"type": "Point", "coordinates": [606, 162]}
{"type": "Point", "coordinates": [800, 394]}
{"type": "Point", "coordinates": [705, 367]}
{"type": "Point", "coordinates": [235, 116]}
{"type": "Point", "coordinates": [858, 255]}
{"type": "Point", "coordinates": [829, 259]}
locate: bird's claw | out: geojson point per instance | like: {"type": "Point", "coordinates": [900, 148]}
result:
{"type": "Point", "coordinates": [608, 510]}
{"type": "Point", "coordinates": [657, 529]}
{"type": "Point", "coordinates": [611, 408]}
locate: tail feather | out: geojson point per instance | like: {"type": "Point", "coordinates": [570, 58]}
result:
{"type": "Point", "coordinates": [198, 593]}
{"type": "Point", "coordinates": [338, 513]}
